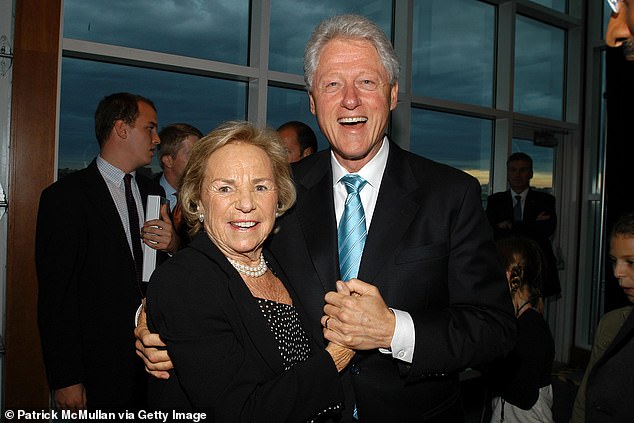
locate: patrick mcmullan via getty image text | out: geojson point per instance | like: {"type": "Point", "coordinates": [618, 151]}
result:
{"type": "Point", "coordinates": [140, 415]}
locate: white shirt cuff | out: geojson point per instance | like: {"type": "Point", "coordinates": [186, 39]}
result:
{"type": "Point", "coordinates": [137, 314]}
{"type": "Point", "coordinates": [404, 339]}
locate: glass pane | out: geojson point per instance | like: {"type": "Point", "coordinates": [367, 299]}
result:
{"type": "Point", "coordinates": [558, 5]}
{"type": "Point", "coordinates": [459, 141]}
{"type": "Point", "coordinates": [202, 102]}
{"type": "Point", "coordinates": [293, 21]}
{"type": "Point", "coordinates": [543, 163]}
{"type": "Point", "coordinates": [285, 105]}
{"type": "Point", "coordinates": [539, 69]}
{"type": "Point", "coordinates": [217, 30]}
{"type": "Point", "coordinates": [454, 50]}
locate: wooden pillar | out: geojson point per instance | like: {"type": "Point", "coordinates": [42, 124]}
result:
{"type": "Point", "coordinates": [31, 168]}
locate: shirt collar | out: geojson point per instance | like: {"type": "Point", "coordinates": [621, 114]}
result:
{"type": "Point", "coordinates": [371, 172]}
{"type": "Point", "coordinates": [169, 189]}
{"type": "Point", "coordinates": [521, 194]}
{"type": "Point", "coordinates": [111, 172]}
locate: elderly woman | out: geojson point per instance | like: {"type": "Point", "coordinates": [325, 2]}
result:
{"type": "Point", "coordinates": [521, 383]}
{"type": "Point", "coordinates": [232, 324]}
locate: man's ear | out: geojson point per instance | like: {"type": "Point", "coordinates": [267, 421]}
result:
{"type": "Point", "coordinates": [307, 152]}
{"type": "Point", "coordinates": [167, 161]}
{"type": "Point", "coordinates": [312, 104]}
{"type": "Point", "coordinates": [121, 128]}
{"type": "Point", "coordinates": [394, 96]}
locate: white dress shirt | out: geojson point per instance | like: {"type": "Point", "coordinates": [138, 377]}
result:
{"type": "Point", "coordinates": [403, 340]}
{"type": "Point", "coordinates": [114, 180]}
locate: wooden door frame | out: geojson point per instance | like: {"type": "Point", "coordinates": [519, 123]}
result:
{"type": "Point", "coordinates": [34, 103]}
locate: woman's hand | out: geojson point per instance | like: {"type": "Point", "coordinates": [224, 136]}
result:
{"type": "Point", "coordinates": [340, 355]}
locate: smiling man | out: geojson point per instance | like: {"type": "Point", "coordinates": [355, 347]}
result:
{"type": "Point", "coordinates": [88, 263]}
{"type": "Point", "coordinates": [429, 298]}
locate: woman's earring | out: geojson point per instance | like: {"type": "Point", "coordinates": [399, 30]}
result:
{"type": "Point", "coordinates": [201, 218]}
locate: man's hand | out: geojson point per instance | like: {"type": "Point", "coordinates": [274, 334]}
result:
{"type": "Point", "coordinates": [157, 362]}
{"type": "Point", "coordinates": [543, 216]}
{"type": "Point", "coordinates": [71, 398]}
{"type": "Point", "coordinates": [357, 317]}
{"type": "Point", "coordinates": [506, 224]}
{"type": "Point", "coordinates": [160, 233]}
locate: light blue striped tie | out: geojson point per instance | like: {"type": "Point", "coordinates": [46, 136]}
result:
{"type": "Point", "coordinates": [352, 230]}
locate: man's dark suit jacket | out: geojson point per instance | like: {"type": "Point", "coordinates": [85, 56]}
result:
{"type": "Point", "coordinates": [226, 360]}
{"type": "Point", "coordinates": [88, 292]}
{"type": "Point", "coordinates": [500, 208]}
{"type": "Point", "coordinates": [430, 252]}
{"type": "Point", "coordinates": [609, 389]}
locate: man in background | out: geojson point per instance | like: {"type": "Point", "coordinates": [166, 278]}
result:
{"type": "Point", "coordinates": [176, 145]}
{"type": "Point", "coordinates": [298, 139]}
{"type": "Point", "coordinates": [521, 210]}
{"type": "Point", "coordinates": [89, 261]}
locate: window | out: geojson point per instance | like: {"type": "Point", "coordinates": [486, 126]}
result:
{"type": "Point", "coordinates": [558, 5]}
{"type": "Point", "coordinates": [459, 141]}
{"type": "Point", "coordinates": [202, 102]}
{"type": "Point", "coordinates": [285, 105]}
{"type": "Point", "coordinates": [214, 30]}
{"type": "Point", "coordinates": [453, 51]}
{"type": "Point", "coordinates": [292, 23]}
{"type": "Point", "coordinates": [539, 69]}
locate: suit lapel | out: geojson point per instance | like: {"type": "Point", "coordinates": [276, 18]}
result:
{"type": "Point", "coordinates": [317, 220]}
{"type": "Point", "coordinates": [247, 306]}
{"type": "Point", "coordinates": [529, 214]}
{"type": "Point", "coordinates": [392, 216]}
{"type": "Point", "coordinates": [104, 209]}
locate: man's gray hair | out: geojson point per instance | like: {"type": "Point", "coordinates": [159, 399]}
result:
{"type": "Point", "coordinates": [351, 27]}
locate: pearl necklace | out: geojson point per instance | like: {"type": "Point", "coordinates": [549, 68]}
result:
{"type": "Point", "coordinates": [253, 271]}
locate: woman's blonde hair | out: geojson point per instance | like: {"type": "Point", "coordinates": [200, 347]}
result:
{"type": "Point", "coordinates": [267, 139]}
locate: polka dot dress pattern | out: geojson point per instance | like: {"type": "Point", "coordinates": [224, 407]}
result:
{"type": "Point", "coordinates": [283, 321]}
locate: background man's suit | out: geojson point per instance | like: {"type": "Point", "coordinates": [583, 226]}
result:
{"type": "Point", "coordinates": [430, 252]}
{"type": "Point", "coordinates": [88, 293]}
{"type": "Point", "coordinates": [500, 208]}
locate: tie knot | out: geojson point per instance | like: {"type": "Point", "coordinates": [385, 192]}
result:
{"type": "Point", "coordinates": [127, 178]}
{"type": "Point", "coordinates": [353, 183]}
{"type": "Point", "coordinates": [518, 197]}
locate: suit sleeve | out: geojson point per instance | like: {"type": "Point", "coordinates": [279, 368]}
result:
{"type": "Point", "coordinates": [214, 358]}
{"type": "Point", "coordinates": [60, 249]}
{"type": "Point", "coordinates": [477, 325]}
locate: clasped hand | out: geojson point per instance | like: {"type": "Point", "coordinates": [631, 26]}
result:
{"type": "Point", "coordinates": [357, 317]}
